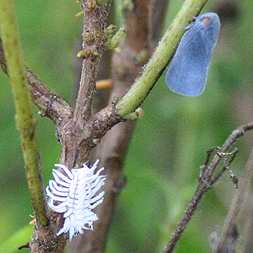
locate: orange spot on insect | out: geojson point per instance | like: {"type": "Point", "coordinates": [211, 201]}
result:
{"type": "Point", "coordinates": [206, 21]}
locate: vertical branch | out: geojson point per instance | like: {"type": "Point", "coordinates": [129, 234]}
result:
{"type": "Point", "coordinates": [95, 22]}
{"type": "Point", "coordinates": [158, 9]}
{"type": "Point", "coordinates": [24, 118]}
{"type": "Point", "coordinates": [248, 233]}
{"type": "Point", "coordinates": [236, 205]}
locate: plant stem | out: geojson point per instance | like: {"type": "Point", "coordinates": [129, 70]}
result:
{"type": "Point", "coordinates": [142, 86]}
{"type": "Point", "coordinates": [24, 119]}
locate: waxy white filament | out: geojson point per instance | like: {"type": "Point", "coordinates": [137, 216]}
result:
{"type": "Point", "coordinates": [75, 193]}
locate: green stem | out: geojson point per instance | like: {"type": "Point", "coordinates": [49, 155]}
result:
{"type": "Point", "coordinates": [141, 87]}
{"type": "Point", "coordinates": [24, 119]}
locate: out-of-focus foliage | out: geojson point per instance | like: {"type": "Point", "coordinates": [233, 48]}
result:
{"type": "Point", "coordinates": [168, 145]}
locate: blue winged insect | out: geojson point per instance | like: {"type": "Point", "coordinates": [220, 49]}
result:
{"type": "Point", "coordinates": [187, 72]}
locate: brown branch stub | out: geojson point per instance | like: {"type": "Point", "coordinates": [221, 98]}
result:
{"type": "Point", "coordinates": [49, 104]}
{"type": "Point", "coordinates": [95, 23]}
{"type": "Point", "coordinates": [207, 179]}
{"type": "Point", "coordinates": [103, 121]}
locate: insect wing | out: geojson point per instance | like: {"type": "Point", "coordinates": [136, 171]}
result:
{"type": "Point", "coordinates": [187, 72]}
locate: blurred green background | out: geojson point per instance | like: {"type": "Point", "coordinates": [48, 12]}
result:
{"type": "Point", "coordinates": [167, 148]}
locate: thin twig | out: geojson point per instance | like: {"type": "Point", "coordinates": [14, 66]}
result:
{"type": "Point", "coordinates": [205, 182]}
{"type": "Point", "coordinates": [227, 162]}
{"type": "Point", "coordinates": [24, 119]}
{"type": "Point", "coordinates": [236, 205]}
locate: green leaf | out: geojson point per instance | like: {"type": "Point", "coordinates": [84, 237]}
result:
{"type": "Point", "coordinates": [18, 239]}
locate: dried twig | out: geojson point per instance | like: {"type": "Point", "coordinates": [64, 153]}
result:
{"type": "Point", "coordinates": [207, 179]}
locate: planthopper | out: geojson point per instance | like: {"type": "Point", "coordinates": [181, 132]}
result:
{"type": "Point", "coordinates": [187, 72]}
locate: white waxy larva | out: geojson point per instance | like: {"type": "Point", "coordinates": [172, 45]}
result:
{"type": "Point", "coordinates": [75, 193]}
